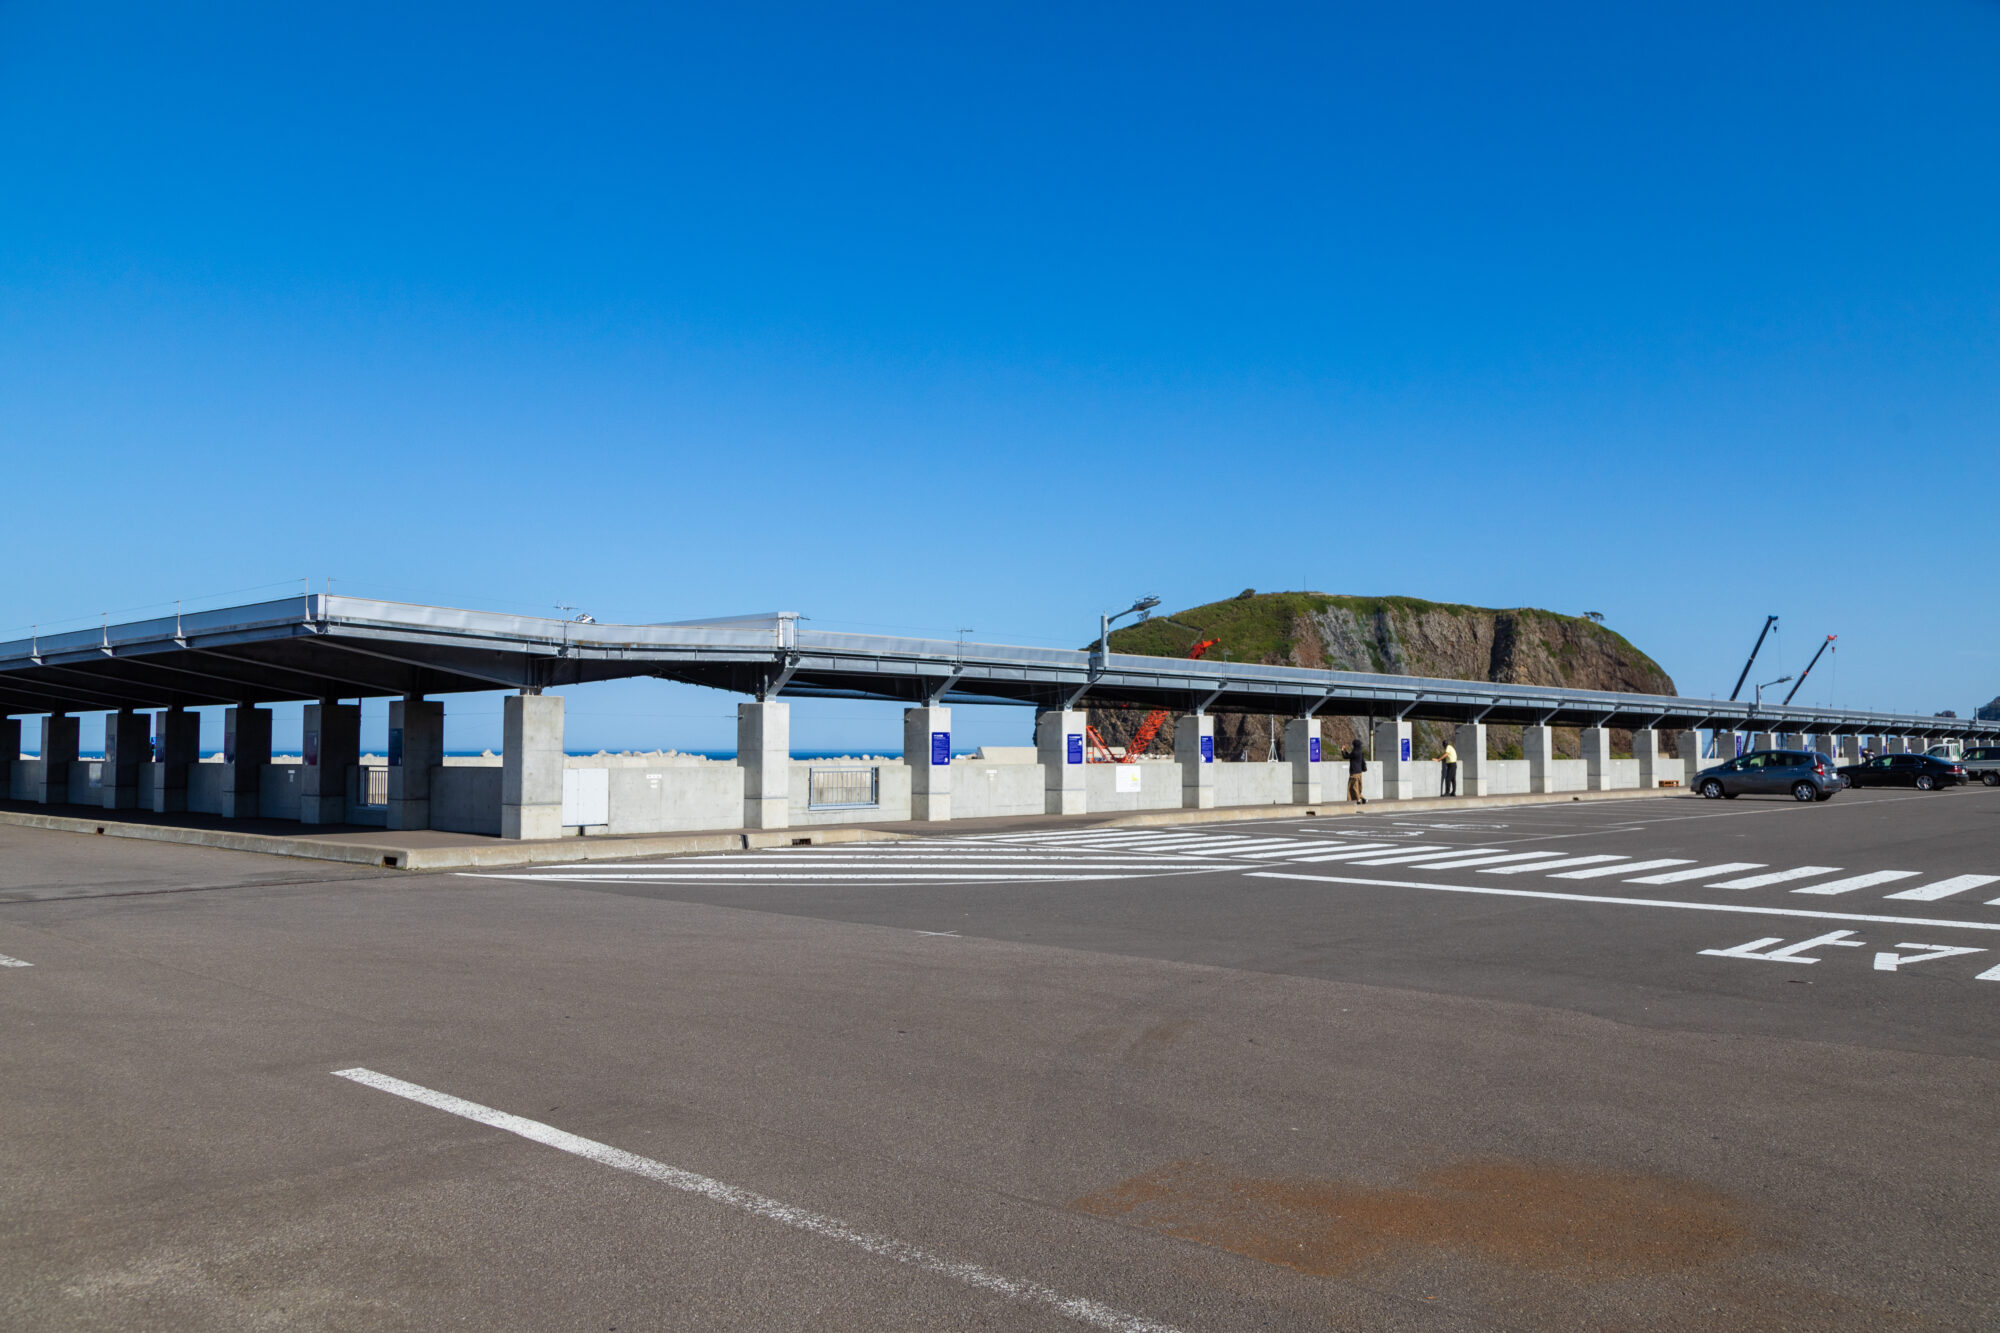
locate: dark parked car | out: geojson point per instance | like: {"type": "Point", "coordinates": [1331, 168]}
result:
{"type": "Point", "coordinates": [1925, 772]}
{"type": "Point", "coordinates": [1800, 774]}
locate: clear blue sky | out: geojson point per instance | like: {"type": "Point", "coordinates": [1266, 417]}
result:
{"type": "Point", "coordinates": [928, 317]}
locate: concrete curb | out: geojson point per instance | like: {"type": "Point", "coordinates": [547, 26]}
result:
{"type": "Point", "coordinates": [498, 854]}
{"type": "Point", "coordinates": [393, 856]}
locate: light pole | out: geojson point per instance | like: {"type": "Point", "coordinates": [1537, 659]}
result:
{"type": "Point", "coordinates": [1139, 608]}
{"type": "Point", "coordinates": [1765, 686]}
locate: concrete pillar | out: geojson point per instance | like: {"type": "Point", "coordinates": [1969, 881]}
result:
{"type": "Point", "coordinates": [1475, 777]}
{"type": "Point", "coordinates": [332, 746]}
{"type": "Point", "coordinates": [1689, 744]}
{"type": "Point", "coordinates": [1646, 749]}
{"type": "Point", "coordinates": [10, 753]}
{"type": "Point", "coordinates": [179, 747]}
{"type": "Point", "coordinates": [1194, 749]}
{"type": "Point", "coordinates": [1539, 745]}
{"type": "Point", "coordinates": [246, 749]}
{"type": "Point", "coordinates": [764, 752]}
{"type": "Point", "coordinates": [1395, 750]}
{"type": "Point", "coordinates": [531, 766]}
{"type": "Point", "coordinates": [59, 741]}
{"type": "Point", "coordinates": [1764, 740]}
{"type": "Point", "coordinates": [1850, 749]}
{"type": "Point", "coordinates": [1597, 758]}
{"type": "Point", "coordinates": [127, 744]}
{"type": "Point", "coordinates": [1303, 744]}
{"type": "Point", "coordinates": [1059, 747]}
{"type": "Point", "coordinates": [1894, 745]}
{"type": "Point", "coordinates": [416, 745]}
{"type": "Point", "coordinates": [927, 750]}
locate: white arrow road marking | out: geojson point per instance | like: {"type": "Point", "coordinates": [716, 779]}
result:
{"type": "Point", "coordinates": [5, 961]}
{"type": "Point", "coordinates": [1079, 1308]}
{"type": "Point", "coordinates": [1853, 882]}
{"type": "Point", "coordinates": [1944, 888]}
{"type": "Point", "coordinates": [1889, 962]}
{"type": "Point", "coordinates": [1740, 908]}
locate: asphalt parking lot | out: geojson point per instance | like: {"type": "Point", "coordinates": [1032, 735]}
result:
{"type": "Point", "coordinates": [1646, 1065]}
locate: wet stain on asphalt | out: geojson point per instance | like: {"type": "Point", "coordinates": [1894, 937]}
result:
{"type": "Point", "coordinates": [1536, 1216]}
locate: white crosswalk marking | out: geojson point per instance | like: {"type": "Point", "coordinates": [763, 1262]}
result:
{"type": "Point", "coordinates": [1309, 847]}
{"type": "Point", "coordinates": [1349, 853]}
{"type": "Point", "coordinates": [1416, 854]}
{"type": "Point", "coordinates": [1563, 864]}
{"type": "Point", "coordinates": [1775, 877]}
{"type": "Point", "coordinates": [1455, 863]}
{"type": "Point", "coordinates": [1700, 872]}
{"type": "Point", "coordinates": [1601, 872]}
{"type": "Point", "coordinates": [1945, 888]}
{"type": "Point", "coordinates": [1853, 882]}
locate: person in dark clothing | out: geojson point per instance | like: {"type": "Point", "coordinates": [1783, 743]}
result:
{"type": "Point", "coordinates": [1357, 768]}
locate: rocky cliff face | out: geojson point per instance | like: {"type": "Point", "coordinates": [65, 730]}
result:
{"type": "Point", "coordinates": [1395, 636]}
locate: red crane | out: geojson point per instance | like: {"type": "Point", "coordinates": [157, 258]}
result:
{"type": "Point", "coordinates": [1147, 729]}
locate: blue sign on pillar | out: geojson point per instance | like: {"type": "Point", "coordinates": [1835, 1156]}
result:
{"type": "Point", "coordinates": [1312, 749]}
{"type": "Point", "coordinates": [1208, 749]}
{"type": "Point", "coordinates": [395, 747]}
{"type": "Point", "coordinates": [1075, 747]}
{"type": "Point", "coordinates": [1406, 749]}
{"type": "Point", "coordinates": [941, 747]}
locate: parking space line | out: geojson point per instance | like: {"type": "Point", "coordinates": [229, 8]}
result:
{"type": "Point", "coordinates": [1944, 888]}
{"type": "Point", "coordinates": [1740, 908]}
{"type": "Point", "coordinates": [1081, 1309]}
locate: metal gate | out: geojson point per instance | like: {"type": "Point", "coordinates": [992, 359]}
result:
{"type": "Point", "coordinates": [842, 788]}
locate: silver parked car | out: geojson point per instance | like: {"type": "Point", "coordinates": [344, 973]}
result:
{"type": "Point", "coordinates": [1800, 774]}
{"type": "Point", "coordinates": [1983, 762]}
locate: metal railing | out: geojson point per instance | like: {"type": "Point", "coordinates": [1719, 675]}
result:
{"type": "Point", "coordinates": [373, 787]}
{"type": "Point", "coordinates": [843, 788]}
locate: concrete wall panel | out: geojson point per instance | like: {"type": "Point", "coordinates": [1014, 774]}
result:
{"type": "Point", "coordinates": [987, 790]}
{"type": "Point", "coordinates": [466, 800]}
{"type": "Point", "coordinates": [675, 799]}
{"type": "Point", "coordinates": [25, 782]}
{"type": "Point", "coordinates": [205, 788]}
{"type": "Point", "coordinates": [1252, 784]}
{"type": "Point", "coordinates": [278, 790]}
{"type": "Point", "coordinates": [892, 790]}
{"type": "Point", "coordinates": [1159, 786]}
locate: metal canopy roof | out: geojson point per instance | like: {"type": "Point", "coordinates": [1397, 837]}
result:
{"type": "Point", "coordinates": [329, 647]}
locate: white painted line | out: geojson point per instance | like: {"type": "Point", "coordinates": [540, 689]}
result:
{"type": "Point", "coordinates": [1563, 864]}
{"type": "Point", "coordinates": [1745, 908]}
{"type": "Point", "coordinates": [1421, 854]}
{"type": "Point", "coordinates": [1603, 872]}
{"type": "Point", "coordinates": [1319, 845]}
{"type": "Point", "coordinates": [1775, 877]}
{"type": "Point", "coordinates": [1079, 1308]}
{"type": "Point", "coordinates": [1853, 882]}
{"type": "Point", "coordinates": [858, 877]}
{"type": "Point", "coordinates": [5, 961]}
{"type": "Point", "coordinates": [1944, 888]}
{"type": "Point", "coordinates": [1350, 853]}
{"type": "Point", "coordinates": [1501, 859]}
{"type": "Point", "coordinates": [1699, 872]}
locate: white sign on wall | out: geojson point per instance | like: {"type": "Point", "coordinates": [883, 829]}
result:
{"type": "Point", "coordinates": [1127, 777]}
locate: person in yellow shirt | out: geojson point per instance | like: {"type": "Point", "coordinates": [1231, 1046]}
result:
{"type": "Point", "coordinates": [1449, 785]}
